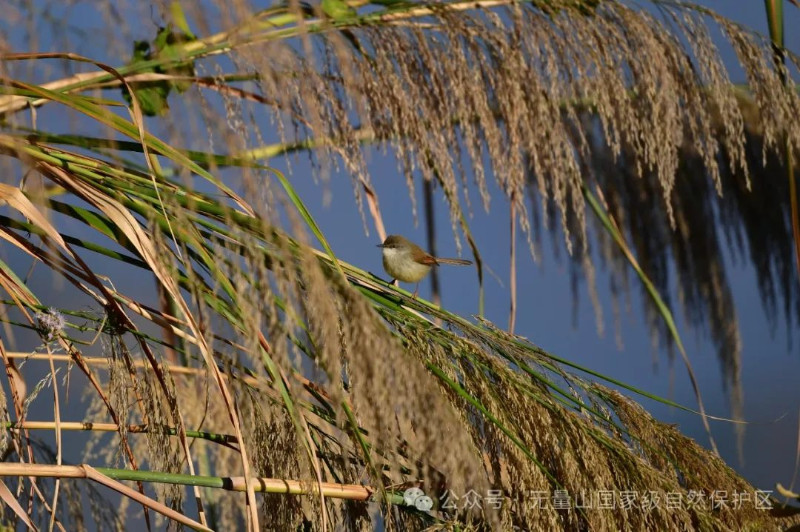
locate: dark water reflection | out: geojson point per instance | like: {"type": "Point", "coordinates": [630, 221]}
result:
{"type": "Point", "coordinates": [695, 261]}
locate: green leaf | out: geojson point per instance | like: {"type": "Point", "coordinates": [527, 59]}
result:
{"type": "Point", "coordinates": [152, 95]}
{"type": "Point", "coordinates": [337, 9]}
{"type": "Point", "coordinates": [169, 44]}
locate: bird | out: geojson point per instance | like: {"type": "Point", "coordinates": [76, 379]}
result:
{"type": "Point", "coordinates": [407, 262]}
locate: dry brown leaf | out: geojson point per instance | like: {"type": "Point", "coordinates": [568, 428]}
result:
{"type": "Point", "coordinates": [16, 199]}
{"type": "Point", "coordinates": [12, 503]}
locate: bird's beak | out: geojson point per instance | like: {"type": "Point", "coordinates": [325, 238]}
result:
{"type": "Point", "coordinates": [380, 245]}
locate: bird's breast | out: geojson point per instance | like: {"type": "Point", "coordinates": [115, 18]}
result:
{"type": "Point", "coordinates": [401, 266]}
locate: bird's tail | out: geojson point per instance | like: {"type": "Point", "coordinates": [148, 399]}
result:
{"type": "Point", "coordinates": [462, 262]}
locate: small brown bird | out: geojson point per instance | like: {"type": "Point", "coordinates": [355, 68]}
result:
{"type": "Point", "coordinates": [407, 262]}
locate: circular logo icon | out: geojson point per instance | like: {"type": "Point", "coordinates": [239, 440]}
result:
{"type": "Point", "coordinates": [424, 503]}
{"type": "Point", "coordinates": [411, 495]}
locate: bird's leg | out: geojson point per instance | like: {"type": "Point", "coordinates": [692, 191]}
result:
{"type": "Point", "coordinates": [416, 290]}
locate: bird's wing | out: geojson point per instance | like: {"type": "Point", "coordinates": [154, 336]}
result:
{"type": "Point", "coordinates": [428, 260]}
